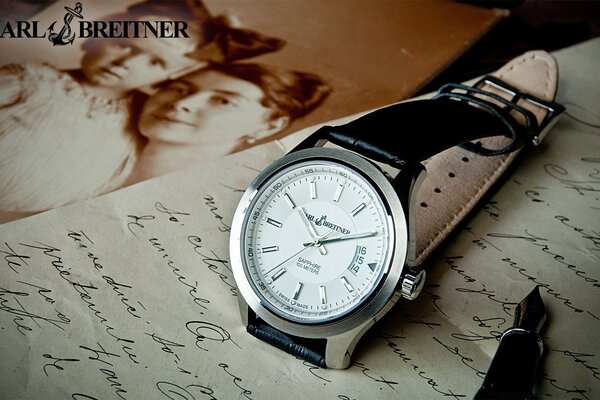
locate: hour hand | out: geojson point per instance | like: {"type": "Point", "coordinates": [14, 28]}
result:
{"type": "Point", "coordinates": [311, 230]}
{"type": "Point", "coordinates": [340, 238]}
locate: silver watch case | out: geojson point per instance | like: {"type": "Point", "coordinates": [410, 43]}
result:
{"type": "Point", "coordinates": [341, 334]}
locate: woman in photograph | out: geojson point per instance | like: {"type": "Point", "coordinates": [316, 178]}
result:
{"type": "Point", "coordinates": [221, 109]}
{"type": "Point", "coordinates": [67, 135]}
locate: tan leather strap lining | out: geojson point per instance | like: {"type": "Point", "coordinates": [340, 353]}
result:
{"type": "Point", "coordinates": [457, 179]}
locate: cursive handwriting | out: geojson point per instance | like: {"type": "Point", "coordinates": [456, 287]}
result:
{"type": "Point", "coordinates": [313, 371]}
{"type": "Point", "coordinates": [175, 392]}
{"type": "Point", "coordinates": [208, 331]}
{"type": "Point", "coordinates": [491, 295]}
{"type": "Point", "coordinates": [565, 390]}
{"type": "Point", "coordinates": [42, 291]}
{"type": "Point", "coordinates": [379, 380]}
{"type": "Point", "coordinates": [22, 315]}
{"type": "Point", "coordinates": [581, 186]}
{"type": "Point", "coordinates": [13, 259]}
{"type": "Point", "coordinates": [160, 207]}
{"type": "Point", "coordinates": [167, 345]}
{"type": "Point", "coordinates": [237, 381]}
{"type": "Point", "coordinates": [544, 247]}
{"type": "Point", "coordinates": [482, 323]}
{"type": "Point", "coordinates": [463, 359]}
{"type": "Point", "coordinates": [85, 292]}
{"type": "Point", "coordinates": [102, 356]}
{"type": "Point", "coordinates": [492, 209]}
{"type": "Point", "coordinates": [592, 236]}
{"type": "Point", "coordinates": [56, 362]}
{"type": "Point", "coordinates": [522, 271]}
{"type": "Point", "coordinates": [410, 319]}
{"type": "Point", "coordinates": [434, 297]}
{"type": "Point", "coordinates": [209, 201]}
{"type": "Point", "coordinates": [79, 238]}
{"type": "Point", "coordinates": [137, 223]}
{"type": "Point", "coordinates": [452, 263]}
{"type": "Point", "coordinates": [582, 359]}
{"type": "Point", "coordinates": [181, 278]}
{"type": "Point", "coordinates": [214, 263]}
{"type": "Point", "coordinates": [119, 289]}
{"type": "Point", "coordinates": [406, 359]}
{"type": "Point", "coordinates": [534, 195]}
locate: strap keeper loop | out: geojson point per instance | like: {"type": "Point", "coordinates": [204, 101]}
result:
{"type": "Point", "coordinates": [532, 131]}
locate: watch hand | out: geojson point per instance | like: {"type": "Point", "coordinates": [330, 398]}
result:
{"type": "Point", "coordinates": [311, 229]}
{"type": "Point", "coordinates": [312, 244]}
{"type": "Point", "coordinates": [340, 238]}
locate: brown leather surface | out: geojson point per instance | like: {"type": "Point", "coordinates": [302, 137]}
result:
{"type": "Point", "coordinates": [458, 179]}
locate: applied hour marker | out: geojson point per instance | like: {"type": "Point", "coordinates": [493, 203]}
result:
{"type": "Point", "coordinates": [297, 290]}
{"type": "Point", "coordinates": [289, 201]}
{"type": "Point", "coordinates": [270, 249]}
{"type": "Point", "coordinates": [322, 295]}
{"type": "Point", "coordinates": [358, 209]}
{"type": "Point", "coordinates": [347, 284]}
{"type": "Point", "coordinates": [273, 222]}
{"type": "Point", "coordinates": [313, 190]}
{"type": "Point", "coordinates": [278, 274]}
{"type": "Point", "coordinates": [338, 193]}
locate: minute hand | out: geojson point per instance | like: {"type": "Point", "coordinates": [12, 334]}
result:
{"type": "Point", "coordinates": [343, 237]}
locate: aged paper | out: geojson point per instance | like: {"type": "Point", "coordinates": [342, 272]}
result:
{"type": "Point", "coordinates": [131, 295]}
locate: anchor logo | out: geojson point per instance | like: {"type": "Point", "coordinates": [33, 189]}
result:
{"type": "Point", "coordinates": [65, 35]}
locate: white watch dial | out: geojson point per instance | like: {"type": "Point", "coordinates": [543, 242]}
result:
{"type": "Point", "coordinates": [316, 241]}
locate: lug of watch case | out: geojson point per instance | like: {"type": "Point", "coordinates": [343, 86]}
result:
{"type": "Point", "coordinates": [339, 348]}
{"type": "Point", "coordinates": [338, 353]}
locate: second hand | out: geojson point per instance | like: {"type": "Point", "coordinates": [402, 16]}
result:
{"type": "Point", "coordinates": [287, 259]}
{"type": "Point", "coordinates": [306, 246]}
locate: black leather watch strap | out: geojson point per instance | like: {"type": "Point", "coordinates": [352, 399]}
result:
{"type": "Point", "coordinates": [414, 131]}
{"type": "Point", "coordinates": [311, 350]}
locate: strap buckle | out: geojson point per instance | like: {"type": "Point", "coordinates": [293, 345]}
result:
{"type": "Point", "coordinates": [553, 109]}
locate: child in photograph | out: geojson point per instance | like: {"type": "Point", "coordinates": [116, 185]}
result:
{"type": "Point", "coordinates": [219, 110]}
{"type": "Point", "coordinates": [67, 135]}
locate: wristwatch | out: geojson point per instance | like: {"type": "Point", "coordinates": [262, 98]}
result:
{"type": "Point", "coordinates": [325, 240]}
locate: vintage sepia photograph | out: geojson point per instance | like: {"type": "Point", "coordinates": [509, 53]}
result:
{"type": "Point", "coordinates": [96, 96]}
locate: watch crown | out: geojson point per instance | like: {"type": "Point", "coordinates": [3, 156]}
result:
{"type": "Point", "coordinates": [412, 283]}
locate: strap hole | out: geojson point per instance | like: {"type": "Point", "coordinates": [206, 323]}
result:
{"type": "Point", "coordinates": [451, 174]}
{"type": "Point", "coordinates": [437, 190]}
{"type": "Point", "coordinates": [423, 204]}
{"type": "Point", "coordinates": [465, 159]}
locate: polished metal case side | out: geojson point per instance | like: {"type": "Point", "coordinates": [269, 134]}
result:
{"type": "Point", "coordinates": [340, 347]}
{"type": "Point", "coordinates": [344, 332]}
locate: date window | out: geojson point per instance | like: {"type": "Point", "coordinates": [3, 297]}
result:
{"type": "Point", "coordinates": [358, 259]}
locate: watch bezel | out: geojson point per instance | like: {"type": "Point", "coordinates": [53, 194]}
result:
{"type": "Point", "coordinates": [386, 288]}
